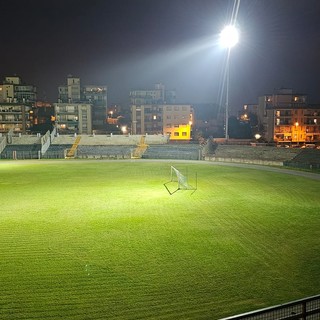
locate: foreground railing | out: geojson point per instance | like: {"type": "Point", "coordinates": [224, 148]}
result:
{"type": "Point", "coordinates": [304, 309]}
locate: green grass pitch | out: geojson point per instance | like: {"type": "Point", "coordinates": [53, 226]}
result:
{"type": "Point", "coordinates": [105, 240]}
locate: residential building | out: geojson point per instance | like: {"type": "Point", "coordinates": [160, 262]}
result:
{"type": "Point", "coordinates": [155, 112]}
{"type": "Point", "coordinates": [287, 117]}
{"type": "Point", "coordinates": [13, 90]}
{"type": "Point", "coordinates": [16, 102]}
{"type": "Point", "coordinates": [42, 117]}
{"type": "Point", "coordinates": [73, 118]}
{"type": "Point", "coordinates": [15, 116]}
{"type": "Point", "coordinates": [170, 119]}
{"type": "Point", "coordinates": [158, 95]}
{"type": "Point", "coordinates": [95, 96]}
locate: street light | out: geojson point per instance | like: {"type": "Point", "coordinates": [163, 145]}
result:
{"type": "Point", "coordinates": [229, 37]}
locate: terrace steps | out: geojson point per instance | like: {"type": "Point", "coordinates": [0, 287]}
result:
{"type": "Point", "coordinates": [141, 149]}
{"type": "Point", "coordinates": [73, 149]}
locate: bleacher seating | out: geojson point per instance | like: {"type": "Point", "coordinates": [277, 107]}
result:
{"type": "Point", "coordinates": [158, 147]}
{"type": "Point", "coordinates": [173, 151]}
{"type": "Point", "coordinates": [56, 151]}
{"type": "Point", "coordinates": [305, 159]}
{"type": "Point", "coordinates": [105, 151]}
{"type": "Point", "coordinates": [262, 153]}
{"type": "Point", "coordinates": [117, 140]}
{"type": "Point", "coordinates": [21, 151]}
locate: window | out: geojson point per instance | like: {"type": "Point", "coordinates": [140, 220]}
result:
{"type": "Point", "coordinates": [176, 134]}
{"type": "Point", "coordinates": [184, 134]}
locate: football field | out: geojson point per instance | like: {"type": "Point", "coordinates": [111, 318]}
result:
{"type": "Point", "coordinates": [106, 240]}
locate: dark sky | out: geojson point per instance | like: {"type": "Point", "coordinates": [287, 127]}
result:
{"type": "Point", "coordinates": [131, 44]}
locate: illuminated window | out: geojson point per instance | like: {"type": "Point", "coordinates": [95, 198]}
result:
{"type": "Point", "coordinates": [154, 117]}
{"type": "Point", "coordinates": [278, 122]}
{"type": "Point", "coordinates": [176, 134]}
{"type": "Point", "coordinates": [184, 134]}
{"type": "Point", "coordinates": [296, 98]}
{"type": "Point", "coordinates": [315, 121]}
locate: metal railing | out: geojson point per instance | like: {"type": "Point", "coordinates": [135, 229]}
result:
{"type": "Point", "coordinates": [304, 309]}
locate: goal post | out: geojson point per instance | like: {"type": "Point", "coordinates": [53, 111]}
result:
{"type": "Point", "coordinates": [182, 181]}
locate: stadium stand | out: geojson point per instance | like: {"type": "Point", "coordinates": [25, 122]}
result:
{"type": "Point", "coordinates": [105, 152]}
{"type": "Point", "coordinates": [251, 154]}
{"type": "Point", "coordinates": [173, 151]}
{"type": "Point", "coordinates": [157, 147]}
{"type": "Point", "coordinates": [305, 159]}
{"type": "Point", "coordinates": [21, 151]}
{"type": "Point", "coordinates": [57, 151]}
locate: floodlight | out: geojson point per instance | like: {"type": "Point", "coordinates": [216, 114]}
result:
{"type": "Point", "coordinates": [229, 36]}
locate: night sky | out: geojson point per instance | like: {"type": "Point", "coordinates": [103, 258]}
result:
{"type": "Point", "coordinates": [134, 44]}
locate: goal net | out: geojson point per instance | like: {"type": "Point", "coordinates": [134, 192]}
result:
{"type": "Point", "coordinates": [182, 181]}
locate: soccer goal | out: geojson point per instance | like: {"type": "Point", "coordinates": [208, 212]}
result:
{"type": "Point", "coordinates": [179, 181]}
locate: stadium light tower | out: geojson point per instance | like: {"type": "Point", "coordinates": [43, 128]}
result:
{"type": "Point", "coordinates": [229, 37]}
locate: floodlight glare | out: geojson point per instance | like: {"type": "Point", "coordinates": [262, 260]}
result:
{"type": "Point", "coordinates": [229, 37]}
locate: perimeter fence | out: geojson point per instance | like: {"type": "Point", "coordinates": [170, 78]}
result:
{"type": "Point", "coordinates": [304, 309]}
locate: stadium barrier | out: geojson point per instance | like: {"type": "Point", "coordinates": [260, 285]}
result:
{"type": "Point", "coordinates": [247, 161]}
{"type": "Point", "coordinates": [303, 166]}
{"type": "Point", "coordinates": [45, 142]}
{"type": "Point", "coordinates": [304, 309]}
{"type": "Point", "coordinates": [3, 143]}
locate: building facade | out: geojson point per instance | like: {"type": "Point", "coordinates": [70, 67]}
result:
{"type": "Point", "coordinates": [16, 102]}
{"type": "Point", "coordinates": [286, 117]}
{"type": "Point", "coordinates": [169, 119]}
{"type": "Point", "coordinates": [96, 96]}
{"type": "Point", "coordinates": [73, 118]}
{"type": "Point", "coordinates": [155, 112]}
{"type": "Point", "coordinates": [158, 95]}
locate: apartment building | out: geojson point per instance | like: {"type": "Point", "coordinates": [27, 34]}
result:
{"type": "Point", "coordinates": [73, 118]}
{"type": "Point", "coordinates": [155, 112]}
{"type": "Point", "coordinates": [158, 95]}
{"type": "Point", "coordinates": [287, 117]}
{"type": "Point", "coordinates": [171, 119]}
{"type": "Point", "coordinates": [79, 97]}
{"type": "Point", "coordinates": [16, 101]}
